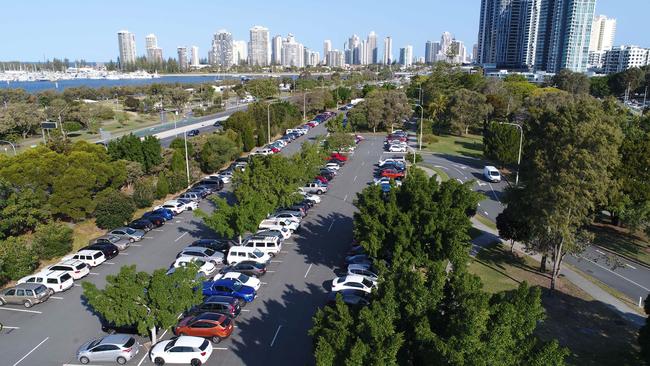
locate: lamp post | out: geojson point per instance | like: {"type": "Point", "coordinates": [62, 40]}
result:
{"type": "Point", "coordinates": [187, 161]}
{"type": "Point", "coordinates": [12, 145]}
{"type": "Point", "coordinates": [421, 124]}
{"type": "Point", "coordinates": [268, 119]}
{"type": "Point", "coordinates": [521, 139]}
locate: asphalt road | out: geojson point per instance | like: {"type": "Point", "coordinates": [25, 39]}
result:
{"type": "Point", "coordinates": [629, 278]}
{"type": "Point", "coordinates": [271, 330]}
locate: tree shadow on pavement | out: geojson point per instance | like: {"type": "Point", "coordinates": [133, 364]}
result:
{"type": "Point", "coordinates": [325, 240]}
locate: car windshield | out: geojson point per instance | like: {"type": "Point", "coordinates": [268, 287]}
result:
{"type": "Point", "coordinates": [209, 251]}
{"type": "Point", "coordinates": [39, 290]}
{"type": "Point", "coordinates": [236, 286]}
{"type": "Point", "coordinates": [94, 343]}
{"type": "Point", "coordinates": [493, 173]}
{"type": "Point", "coordinates": [129, 231]}
{"type": "Point", "coordinates": [243, 278]}
{"type": "Point", "coordinates": [204, 345]}
{"type": "Point", "coordinates": [170, 345]}
{"type": "Point", "coordinates": [367, 282]}
{"type": "Point", "coordinates": [258, 253]}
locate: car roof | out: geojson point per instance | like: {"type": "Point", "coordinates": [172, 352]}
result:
{"type": "Point", "coordinates": [353, 278]}
{"type": "Point", "coordinates": [121, 228]}
{"type": "Point", "coordinates": [28, 286]}
{"type": "Point", "coordinates": [115, 339]}
{"type": "Point", "coordinates": [209, 316]}
{"type": "Point", "coordinates": [358, 266]}
{"type": "Point", "coordinates": [88, 251]}
{"type": "Point", "coordinates": [219, 298]}
{"type": "Point", "coordinates": [68, 262]}
{"type": "Point", "coordinates": [195, 249]}
{"type": "Point", "coordinates": [189, 341]}
{"type": "Point", "coordinates": [490, 167]}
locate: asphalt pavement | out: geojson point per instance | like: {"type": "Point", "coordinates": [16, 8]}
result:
{"type": "Point", "coordinates": [271, 330]}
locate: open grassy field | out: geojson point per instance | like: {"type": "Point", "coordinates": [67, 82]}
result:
{"type": "Point", "coordinates": [468, 145]}
{"type": "Point", "coordinates": [594, 333]}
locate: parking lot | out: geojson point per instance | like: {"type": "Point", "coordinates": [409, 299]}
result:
{"type": "Point", "coordinates": [271, 330]}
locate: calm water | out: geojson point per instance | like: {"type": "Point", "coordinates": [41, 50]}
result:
{"type": "Point", "coordinates": [37, 86]}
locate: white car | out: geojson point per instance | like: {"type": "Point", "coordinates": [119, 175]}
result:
{"type": "Point", "coordinates": [289, 215]}
{"type": "Point", "coordinates": [281, 142]}
{"type": "Point", "coordinates": [206, 267]}
{"type": "Point", "coordinates": [189, 204]}
{"type": "Point", "coordinates": [92, 258]}
{"type": "Point", "coordinates": [386, 180]}
{"type": "Point", "coordinates": [492, 174]}
{"type": "Point", "coordinates": [397, 148]}
{"type": "Point", "coordinates": [173, 205]}
{"type": "Point", "coordinates": [391, 160]}
{"type": "Point", "coordinates": [200, 253]}
{"type": "Point", "coordinates": [311, 197]}
{"type": "Point", "coordinates": [333, 166]}
{"type": "Point", "coordinates": [280, 231]}
{"type": "Point", "coordinates": [353, 282]}
{"type": "Point", "coordinates": [77, 269]}
{"type": "Point", "coordinates": [272, 223]}
{"type": "Point", "coordinates": [183, 349]}
{"type": "Point", "coordinates": [226, 177]}
{"type": "Point", "coordinates": [241, 278]}
{"type": "Point", "coordinates": [57, 281]}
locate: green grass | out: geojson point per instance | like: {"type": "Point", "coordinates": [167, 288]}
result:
{"type": "Point", "coordinates": [485, 221]}
{"type": "Point", "coordinates": [621, 241]}
{"type": "Point", "coordinates": [468, 145]}
{"type": "Point", "coordinates": [441, 173]}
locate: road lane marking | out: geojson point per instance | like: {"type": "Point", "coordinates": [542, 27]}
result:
{"type": "Point", "coordinates": [355, 178]}
{"type": "Point", "coordinates": [485, 212]}
{"type": "Point", "coordinates": [22, 310]}
{"type": "Point", "coordinates": [266, 272]}
{"type": "Point", "coordinates": [56, 297]}
{"type": "Point", "coordinates": [109, 263]}
{"type": "Point", "coordinates": [345, 198]}
{"type": "Point", "coordinates": [159, 230]}
{"type": "Point", "coordinates": [619, 275]}
{"type": "Point", "coordinates": [179, 238]}
{"type": "Point", "coordinates": [30, 352]}
{"type": "Point", "coordinates": [274, 337]}
{"type": "Point", "coordinates": [601, 252]}
{"type": "Point", "coordinates": [330, 228]}
{"type": "Point", "coordinates": [76, 285]}
{"type": "Point", "coordinates": [459, 180]}
{"type": "Point", "coordinates": [308, 269]}
{"type": "Point", "coordinates": [362, 163]}
{"type": "Point", "coordinates": [93, 273]}
{"type": "Point", "coordinates": [178, 221]}
{"type": "Point", "coordinates": [124, 253]}
{"type": "Point", "coordinates": [631, 266]}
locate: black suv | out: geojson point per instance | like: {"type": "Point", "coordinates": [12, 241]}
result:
{"type": "Point", "coordinates": [226, 305]}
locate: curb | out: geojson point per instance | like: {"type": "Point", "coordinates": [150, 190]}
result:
{"type": "Point", "coordinates": [626, 257]}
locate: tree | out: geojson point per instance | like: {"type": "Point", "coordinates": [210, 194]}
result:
{"type": "Point", "coordinates": [599, 87]}
{"type": "Point", "coordinates": [21, 210]}
{"type": "Point", "coordinates": [501, 143]}
{"type": "Point", "coordinates": [437, 105]}
{"type": "Point", "coordinates": [162, 186]}
{"type": "Point", "coordinates": [52, 240]}
{"type": "Point", "coordinates": [20, 118]}
{"type": "Point", "coordinates": [262, 88]}
{"type": "Point", "coordinates": [337, 141]}
{"type": "Point", "coordinates": [113, 209]}
{"type": "Point", "coordinates": [467, 109]}
{"type": "Point", "coordinates": [248, 138]}
{"type": "Point", "coordinates": [572, 82]}
{"type": "Point", "coordinates": [132, 103]}
{"type": "Point", "coordinates": [17, 259]}
{"type": "Point", "coordinates": [386, 108]}
{"type": "Point", "coordinates": [143, 193]}
{"type": "Point", "coordinates": [150, 301]}
{"type": "Point", "coordinates": [644, 334]}
{"type": "Point", "coordinates": [217, 151]}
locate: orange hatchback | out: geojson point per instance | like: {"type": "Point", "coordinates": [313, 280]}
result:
{"type": "Point", "coordinates": [207, 325]}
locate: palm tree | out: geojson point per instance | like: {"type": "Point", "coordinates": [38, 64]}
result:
{"type": "Point", "coordinates": [437, 105]}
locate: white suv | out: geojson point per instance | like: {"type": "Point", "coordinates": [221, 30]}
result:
{"type": "Point", "coordinates": [92, 258]}
{"type": "Point", "coordinates": [75, 268]}
{"type": "Point", "coordinates": [57, 281]}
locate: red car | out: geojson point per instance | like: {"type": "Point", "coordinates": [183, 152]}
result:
{"type": "Point", "coordinates": [322, 179]}
{"type": "Point", "coordinates": [392, 173]}
{"type": "Point", "coordinates": [275, 150]}
{"type": "Point", "coordinates": [396, 137]}
{"type": "Point", "coordinates": [312, 124]}
{"type": "Point", "coordinates": [338, 156]}
{"type": "Point", "coordinates": [207, 325]}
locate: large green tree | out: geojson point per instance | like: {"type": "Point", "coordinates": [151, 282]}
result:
{"type": "Point", "coordinates": [467, 109]}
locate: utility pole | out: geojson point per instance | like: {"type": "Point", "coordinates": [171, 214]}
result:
{"type": "Point", "coordinates": [304, 105]}
{"type": "Point", "coordinates": [521, 140]}
{"type": "Point", "coordinates": [187, 161]}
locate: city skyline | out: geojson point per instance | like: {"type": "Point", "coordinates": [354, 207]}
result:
{"type": "Point", "coordinates": [97, 42]}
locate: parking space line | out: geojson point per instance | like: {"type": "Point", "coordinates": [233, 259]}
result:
{"type": "Point", "coordinates": [179, 238]}
{"type": "Point", "coordinates": [159, 230]}
{"type": "Point", "coordinates": [143, 358]}
{"type": "Point", "coordinates": [22, 310]}
{"type": "Point", "coordinates": [276, 261]}
{"type": "Point", "coordinates": [76, 285]}
{"type": "Point", "coordinates": [124, 253]}
{"type": "Point", "coordinates": [246, 310]}
{"type": "Point", "coordinates": [220, 348]}
{"type": "Point", "coordinates": [266, 272]}
{"type": "Point", "coordinates": [308, 269]}
{"type": "Point", "coordinates": [30, 352]}
{"type": "Point", "coordinates": [56, 297]}
{"type": "Point", "coordinates": [330, 228]}
{"type": "Point", "coordinates": [148, 237]}
{"type": "Point", "coordinates": [345, 198]}
{"type": "Point", "coordinates": [264, 283]}
{"type": "Point", "coordinates": [355, 178]}
{"type": "Point", "coordinates": [276, 335]}
{"type": "Point", "coordinates": [93, 273]}
{"type": "Point", "coordinates": [109, 263]}
{"type": "Point", "coordinates": [8, 327]}
{"type": "Point", "coordinates": [136, 245]}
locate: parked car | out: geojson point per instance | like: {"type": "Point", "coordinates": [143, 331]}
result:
{"type": "Point", "coordinates": [126, 232]}
{"type": "Point", "coordinates": [227, 305]}
{"type": "Point", "coordinates": [141, 224]}
{"type": "Point", "coordinates": [392, 173]}
{"type": "Point", "coordinates": [218, 245]}
{"type": "Point", "coordinates": [26, 294]}
{"type": "Point", "coordinates": [174, 205]}
{"type": "Point", "coordinates": [156, 220]}
{"type": "Point", "coordinates": [202, 191]}
{"type": "Point", "coordinates": [272, 223]}
{"type": "Point", "coordinates": [92, 258]}
{"type": "Point", "coordinates": [349, 297]}
{"type": "Point", "coordinates": [353, 282]}
{"type": "Point", "coordinates": [238, 254]}
{"type": "Point", "coordinates": [492, 174]}
{"type": "Point", "coordinates": [190, 196]}
{"type": "Point", "coordinates": [314, 188]}
{"type": "Point", "coordinates": [183, 349]}
{"type": "Point", "coordinates": [76, 269]}
{"type": "Point", "coordinates": [229, 287]}
{"type": "Point", "coordinates": [321, 179]}
{"type": "Point", "coordinates": [214, 185]}
{"type": "Point", "coordinates": [338, 156]}
{"type": "Point", "coordinates": [295, 216]}
{"type": "Point", "coordinates": [120, 242]}
{"type": "Point", "coordinates": [226, 176]}
{"type": "Point", "coordinates": [333, 166]}
{"type": "Point", "coordinates": [189, 204]}
{"type": "Point", "coordinates": [248, 268]}
{"type": "Point", "coordinates": [110, 250]}
{"type": "Point", "coordinates": [56, 281]}
{"type": "Point", "coordinates": [111, 328]}
{"type": "Point", "coordinates": [166, 213]}
{"type": "Point", "coordinates": [119, 348]}
{"type": "Point", "coordinates": [397, 148]}
{"type": "Point", "coordinates": [311, 197]}
{"type": "Point", "coordinates": [355, 269]}
{"type": "Point", "coordinates": [194, 132]}
{"type": "Point", "coordinates": [207, 268]}
{"type": "Point", "coordinates": [245, 280]}
{"type": "Point", "coordinates": [206, 254]}
{"type": "Point", "coordinates": [214, 326]}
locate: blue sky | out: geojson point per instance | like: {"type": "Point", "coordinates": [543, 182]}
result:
{"type": "Point", "coordinates": [87, 29]}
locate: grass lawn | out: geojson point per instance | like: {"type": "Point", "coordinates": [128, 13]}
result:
{"type": "Point", "coordinates": [619, 240]}
{"type": "Point", "coordinates": [595, 334]}
{"type": "Point", "coordinates": [485, 221]}
{"type": "Point", "coordinates": [441, 173]}
{"type": "Point", "coordinates": [468, 145]}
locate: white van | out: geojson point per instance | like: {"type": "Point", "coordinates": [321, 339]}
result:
{"type": "Point", "coordinates": [57, 281]}
{"type": "Point", "coordinates": [238, 254]}
{"type": "Point", "coordinates": [270, 245]}
{"type": "Point", "coordinates": [492, 174]}
{"type": "Point", "coordinates": [92, 258]}
{"type": "Point", "coordinates": [274, 223]}
{"type": "Point", "coordinates": [262, 151]}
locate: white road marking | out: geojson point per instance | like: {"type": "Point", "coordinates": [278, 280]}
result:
{"type": "Point", "coordinates": [274, 337]}
{"type": "Point", "coordinates": [362, 163]}
{"type": "Point", "coordinates": [178, 221]}
{"type": "Point", "coordinates": [124, 253]}
{"type": "Point", "coordinates": [220, 348]}
{"type": "Point", "coordinates": [485, 212]}
{"type": "Point", "coordinates": [56, 297]}
{"type": "Point", "coordinates": [308, 269]}
{"type": "Point", "coordinates": [109, 263]}
{"type": "Point", "coordinates": [631, 266]}
{"type": "Point", "coordinates": [148, 237]}
{"type": "Point", "coordinates": [621, 276]}
{"type": "Point", "coordinates": [345, 198]}
{"type": "Point", "coordinates": [246, 310]}
{"type": "Point", "coordinates": [143, 358]}
{"type": "Point", "coordinates": [30, 352]}
{"type": "Point", "coordinates": [481, 184]}
{"type": "Point", "coordinates": [494, 193]}
{"type": "Point", "coordinates": [276, 261]}
{"type": "Point", "coordinates": [22, 310]}
{"type": "Point", "coordinates": [6, 327]}
{"type": "Point", "coordinates": [136, 245]}
{"type": "Point", "coordinates": [441, 167]}
{"type": "Point", "coordinates": [76, 285]}
{"type": "Point", "coordinates": [264, 283]}
{"type": "Point", "coordinates": [479, 204]}
{"type": "Point", "coordinates": [266, 272]}
{"type": "Point", "coordinates": [460, 180]}
{"type": "Point", "coordinates": [355, 178]}
{"type": "Point", "coordinates": [158, 230]}
{"type": "Point", "coordinates": [330, 228]}
{"type": "Point", "coordinates": [93, 273]}
{"type": "Point", "coordinates": [179, 238]}
{"type": "Point", "coordinates": [600, 252]}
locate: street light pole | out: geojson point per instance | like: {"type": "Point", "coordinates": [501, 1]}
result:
{"type": "Point", "coordinates": [187, 161]}
{"type": "Point", "coordinates": [268, 120]}
{"type": "Point", "coordinates": [421, 124]}
{"type": "Point", "coordinates": [521, 140]}
{"type": "Point", "coordinates": [12, 145]}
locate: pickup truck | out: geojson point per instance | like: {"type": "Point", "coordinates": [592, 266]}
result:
{"type": "Point", "coordinates": [275, 223]}
{"type": "Point", "coordinates": [314, 188]}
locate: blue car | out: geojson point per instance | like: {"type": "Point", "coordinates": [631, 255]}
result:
{"type": "Point", "coordinates": [164, 212]}
{"type": "Point", "coordinates": [228, 287]}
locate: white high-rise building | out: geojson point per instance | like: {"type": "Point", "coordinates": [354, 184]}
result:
{"type": "Point", "coordinates": [388, 51]}
{"type": "Point", "coordinates": [621, 58]}
{"type": "Point", "coordinates": [327, 47]}
{"type": "Point", "coordinates": [354, 50]}
{"type": "Point", "coordinates": [276, 50]}
{"type": "Point", "coordinates": [445, 42]}
{"type": "Point", "coordinates": [239, 52]}
{"type": "Point", "coordinates": [406, 56]}
{"type": "Point", "coordinates": [312, 58]}
{"type": "Point", "coordinates": [182, 58]}
{"type": "Point", "coordinates": [603, 31]}
{"type": "Point", "coordinates": [154, 53]}
{"type": "Point", "coordinates": [363, 53]}
{"type": "Point", "coordinates": [259, 47]}
{"type": "Point", "coordinates": [194, 56]}
{"type": "Point", "coordinates": [371, 49]}
{"type": "Point", "coordinates": [126, 43]}
{"type": "Point", "coordinates": [293, 53]}
{"type": "Point", "coordinates": [222, 53]}
{"type": "Point", "coordinates": [335, 58]}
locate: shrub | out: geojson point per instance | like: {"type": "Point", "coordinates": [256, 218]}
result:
{"type": "Point", "coordinates": [52, 240]}
{"type": "Point", "coordinates": [143, 193]}
{"type": "Point", "coordinates": [113, 209]}
{"type": "Point", "coordinates": [418, 158]}
{"type": "Point", "coordinates": [17, 259]}
{"type": "Point", "coordinates": [162, 186]}
{"type": "Point", "coordinates": [72, 126]}
{"type": "Point", "coordinates": [429, 138]}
